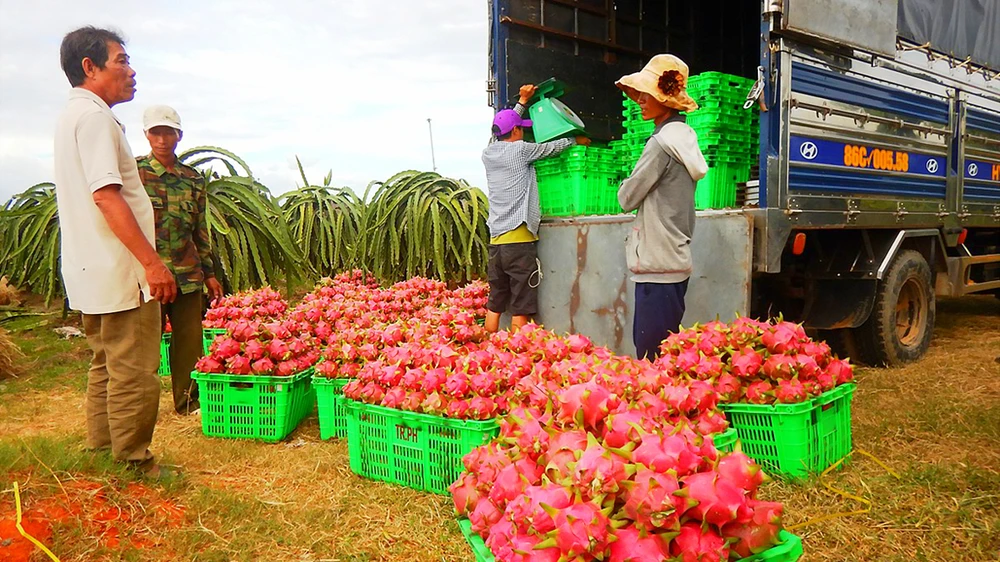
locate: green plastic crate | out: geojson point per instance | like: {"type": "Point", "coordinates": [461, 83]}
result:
{"type": "Point", "coordinates": [579, 181]}
{"type": "Point", "coordinates": [796, 440]}
{"type": "Point", "coordinates": [164, 370]}
{"type": "Point", "coordinates": [330, 407]}
{"type": "Point", "coordinates": [208, 336]}
{"type": "Point", "coordinates": [573, 193]}
{"type": "Point", "coordinates": [725, 442]}
{"type": "Point", "coordinates": [641, 128]}
{"type": "Point", "coordinates": [789, 549]}
{"type": "Point", "coordinates": [717, 190]}
{"type": "Point", "coordinates": [254, 407]}
{"type": "Point", "coordinates": [479, 548]}
{"type": "Point", "coordinates": [719, 81]}
{"type": "Point", "coordinates": [419, 451]}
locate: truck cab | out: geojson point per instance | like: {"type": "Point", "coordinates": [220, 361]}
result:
{"type": "Point", "coordinates": [877, 187]}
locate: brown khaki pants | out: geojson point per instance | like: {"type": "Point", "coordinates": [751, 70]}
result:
{"type": "Point", "coordinates": [123, 390]}
{"type": "Point", "coordinates": [186, 347]}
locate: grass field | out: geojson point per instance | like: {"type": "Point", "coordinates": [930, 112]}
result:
{"type": "Point", "coordinates": [923, 484]}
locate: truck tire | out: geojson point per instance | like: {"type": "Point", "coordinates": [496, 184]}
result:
{"type": "Point", "coordinates": [901, 323]}
{"type": "Point", "coordinates": [841, 342]}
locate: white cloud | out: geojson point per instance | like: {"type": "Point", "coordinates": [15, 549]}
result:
{"type": "Point", "coordinates": [345, 85]}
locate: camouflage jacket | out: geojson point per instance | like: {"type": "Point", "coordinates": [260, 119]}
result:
{"type": "Point", "coordinates": [180, 206]}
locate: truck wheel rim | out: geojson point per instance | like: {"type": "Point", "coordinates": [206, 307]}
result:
{"type": "Point", "coordinates": [911, 311]}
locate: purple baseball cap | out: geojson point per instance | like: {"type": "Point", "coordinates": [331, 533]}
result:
{"type": "Point", "coordinates": [507, 119]}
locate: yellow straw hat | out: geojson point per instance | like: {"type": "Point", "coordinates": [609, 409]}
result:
{"type": "Point", "coordinates": [664, 78]}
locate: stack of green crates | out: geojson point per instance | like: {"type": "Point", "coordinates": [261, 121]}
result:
{"type": "Point", "coordinates": [637, 132]}
{"type": "Point", "coordinates": [164, 370]}
{"type": "Point", "coordinates": [728, 135]}
{"type": "Point", "coordinates": [579, 181]}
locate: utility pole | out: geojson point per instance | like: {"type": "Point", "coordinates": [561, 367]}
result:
{"type": "Point", "coordinates": [430, 131]}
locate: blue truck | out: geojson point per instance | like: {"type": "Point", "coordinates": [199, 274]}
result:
{"type": "Point", "coordinates": [877, 188]}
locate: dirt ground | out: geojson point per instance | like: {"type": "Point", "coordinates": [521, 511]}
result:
{"type": "Point", "coordinates": [923, 483]}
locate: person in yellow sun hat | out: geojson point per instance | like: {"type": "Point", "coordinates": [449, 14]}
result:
{"type": "Point", "coordinates": [661, 190]}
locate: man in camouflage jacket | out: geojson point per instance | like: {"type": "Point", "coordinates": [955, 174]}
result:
{"type": "Point", "coordinates": [182, 239]}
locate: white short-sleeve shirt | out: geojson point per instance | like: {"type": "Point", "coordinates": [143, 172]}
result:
{"type": "Point", "coordinates": [100, 274]}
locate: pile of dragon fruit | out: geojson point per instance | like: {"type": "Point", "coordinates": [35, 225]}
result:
{"type": "Point", "coordinates": [260, 305]}
{"type": "Point", "coordinates": [756, 362]}
{"type": "Point", "coordinates": [612, 459]}
{"type": "Point", "coordinates": [279, 348]}
{"type": "Point", "coordinates": [455, 372]}
{"type": "Point", "coordinates": [342, 324]}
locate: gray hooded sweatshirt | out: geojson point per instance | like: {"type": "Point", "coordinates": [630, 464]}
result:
{"type": "Point", "coordinates": [662, 188]}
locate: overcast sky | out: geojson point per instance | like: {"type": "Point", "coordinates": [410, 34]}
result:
{"type": "Point", "coordinates": [346, 85]}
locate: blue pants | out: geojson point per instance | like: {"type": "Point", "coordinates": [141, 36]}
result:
{"type": "Point", "coordinates": [659, 308]}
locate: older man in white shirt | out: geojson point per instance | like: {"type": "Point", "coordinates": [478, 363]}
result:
{"type": "Point", "coordinates": [110, 267]}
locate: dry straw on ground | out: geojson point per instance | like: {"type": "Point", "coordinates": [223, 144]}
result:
{"type": "Point", "coordinates": [11, 357]}
{"type": "Point", "coordinates": [8, 293]}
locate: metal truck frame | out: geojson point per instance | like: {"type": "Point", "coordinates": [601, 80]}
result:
{"type": "Point", "coordinates": [879, 173]}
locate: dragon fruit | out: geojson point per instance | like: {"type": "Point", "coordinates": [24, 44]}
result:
{"type": "Point", "coordinates": [708, 367]}
{"type": "Point", "coordinates": [757, 535]}
{"type": "Point", "coordinates": [412, 379]}
{"type": "Point", "coordinates": [746, 363]}
{"type": "Point", "coordinates": [783, 337]}
{"type": "Point", "coordinates": [209, 364]}
{"type": "Point", "coordinates": [710, 422]}
{"type": "Point", "coordinates": [526, 511]}
{"type": "Point", "coordinates": [434, 380]}
{"type": "Point", "coordinates": [278, 350]}
{"type": "Point", "coordinates": [481, 408]}
{"type": "Point", "coordinates": [585, 404]}
{"type": "Point", "coordinates": [457, 409]}
{"type": "Point", "coordinates": [759, 392]}
{"type": "Point", "coordinates": [790, 392]}
{"type": "Point", "coordinates": [841, 369]}
{"type": "Point", "coordinates": [286, 369]}
{"type": "Point", "coordinates": [483, 384]}
{"type": "Point", "coordinates": [599, 471]}
{"type": "Point", "coordinates": [806, 366]}
{"type": "Point", "coordinates": [650, 500]}
{"type": "Point", "coordinates": [528, 434]}
{"type": "Point", "coordinates": [738, 469]}
{"type": "Point", "coordinates": [779, 367]}
{"type": "Point", "coordinates": [485, 515]}
{"type": "Point", "coordinates": [262, 366]}
{"type": "Point", "coordinates": [581, 530]}
{"type": "Point", "coordinates": [524, 548]}
{"type": "Point", "coordinates": [433, 404]}
{"type": "Point", "coordinates": [663, 453]}
{"type": "Point", "coordinates": [556, 350]}
{"type": "Point", "coordinates": [513, 479]}
{"type": "Point", "coordinates": [624, 427]}
{"type": "Point", "coordinates": [728, 387]}
{"type": "Point", "coordinates": [393, 397]}
{"type": "Point", "coordinates": [238, 365]}
{"type": "Point", "coordinates": [718, 501]}
{"type": "Point", "coordinates": [457, 385]}
{"type": "Point", "coordinates": [564, 448]}
{"type": "Point", "coordinates": [413, 401]}
{"type": "Point", "coordinates": [693, 544]}
{"type": "Point", "coordinates": [703, 395]}
{"type": "Point", "coordinates": [464, 493]}
{"type": "Point", "coordinates": [254, 350]}
{"type": "Point", "coordinates": [579, 344]}
{"type": "Point", "coordinates": [225, 348]}
{"type": "Point", "coordinates": [632, 545]}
